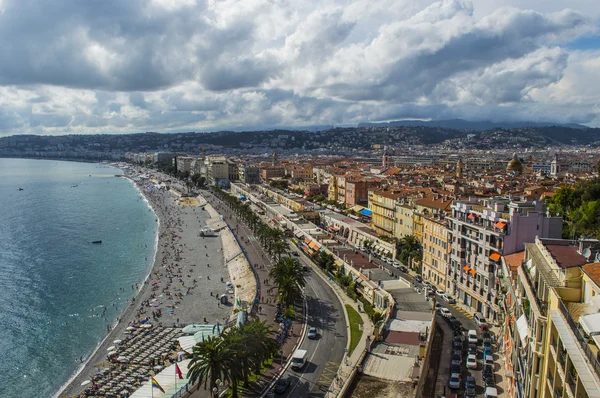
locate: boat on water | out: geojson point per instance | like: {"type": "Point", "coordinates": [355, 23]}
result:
{"type": "Point", "coordinates": [21, 189]}
{"type": "Point", "coordinates": [74, 186]}
{"type": "Point", "coordinates": [97, 242]}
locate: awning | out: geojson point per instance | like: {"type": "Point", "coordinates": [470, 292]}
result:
{"type": "Point", "coordinates": [523, 329]}
{"type": "Point", "coordinates": [471, 216]}
{"type": "Point", "coordinates": [333, 228]}
{"type": "Point", "coordinates": [473, 272]}
{"type": "Point", "coordinates": [307, 241]}
{"type": "Point", "coordinates": [298, 234]}
{"type": "Point", "coordinates": [314, 245]}
{"type": "Point", "coordinates": [500, 224]}
{"type": "Point", "coordinates": [495, 256]}
{"type": "Point", "coordinates": [167, 379]}
{"type": "Point", "coordinates": [590, 324]}
{"type": "Point", "coordinates": [366, 212]}
{"type": "Point", "coordinates": [467, 268]}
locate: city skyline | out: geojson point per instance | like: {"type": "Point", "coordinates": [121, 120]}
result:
{"type": "Point", "coordinates": [187, 65]}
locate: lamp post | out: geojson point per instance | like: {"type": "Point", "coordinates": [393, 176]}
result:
{"type": "Point", "coordinates": [218, 385]}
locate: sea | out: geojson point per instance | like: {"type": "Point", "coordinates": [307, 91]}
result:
{"type": "Point", "coordinates": [54, 282]}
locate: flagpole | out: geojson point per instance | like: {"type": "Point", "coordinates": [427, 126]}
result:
{"type": "Point", "coordinates": [152, 387]}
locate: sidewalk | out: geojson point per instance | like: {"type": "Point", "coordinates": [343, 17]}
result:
{"type": "Point", "coordinates": [349, 363]}
{"type": "Point", "coordinates": [256, 256]}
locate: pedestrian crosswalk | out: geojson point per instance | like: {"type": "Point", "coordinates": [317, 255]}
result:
{"type": "Point", "coordinates": [461, 310]}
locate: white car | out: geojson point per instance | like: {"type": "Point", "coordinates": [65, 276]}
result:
{"type": "Point", "coordinates": [454, 380]}
{"type": "Point", "coordinates": [472, 362]}
{"type": "Point", "coordinates": [473, 339]}
{"type": "Point", "coordinates": [445, 312]}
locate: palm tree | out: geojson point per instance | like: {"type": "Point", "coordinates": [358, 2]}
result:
{"type": "Point", "coordinates": [210, 362]}
{"type": "Point", "coordinates": [289, 277]}
{"type": "Point", "coordinates": [279, 248]}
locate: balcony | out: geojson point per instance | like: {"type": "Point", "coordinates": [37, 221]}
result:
{"type": "Point", "coordinates": [581, 340]}
{"type": "Point", "coordinates": [572, 384]}
{"type": "Point", "coordinates": [532, 291]}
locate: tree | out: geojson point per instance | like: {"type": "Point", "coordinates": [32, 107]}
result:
{"type": "Point", "coordinates": [210, 361]}
{"type": "Point", "coordinates": [289, 277]}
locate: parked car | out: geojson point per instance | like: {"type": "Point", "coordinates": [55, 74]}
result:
{"type": "Point", "coordinates": [489, 381]}
{"type": "Point", "coordinates": [438, 306]}
{"type": "Point", "coordinates": [396, 264]}
{"type": "Point", "coordinates": [472, 336]}
{"type": "Point", "coordinates": [282, 384]}
{"type": "Point", "coordinates": [488, 360]}
{"type": "Point", "coordinates": [445, 312]}
{"type": "Point", "coordinates": [473, 349]}
{"type": "Point", "coordinates": [472, 361]}
{"type": "Point", "coordinates": [455, 369]}
{"type": "Point", "coordinates": [312, 333]}
{"type": "Point", "coordinates": [455, 323]}
{"type": "Point", "coordinates": [470, 385]}
{"type": "Point", "coordinates": [486, 336]}
{"type": "Point", "coordinates": [456, 359]}
{"type": "Point", "coordinates": [488, 370]}
{"type": "Point", "coordinates": [449, 299]}
{"type": "Point", "coordinates": [440, 293]}
{"type": "Point", "coordinates": [457, 344]}
{"type": "Point", "coordinates": [454, 380]}
{"type": "Point", "coordinates": [403, 269]}
{"type": "Point", "coordinates": [479, 319]}
{"type": "Point", "coordinates": [487, 347]}
{"type": "Point", "coordinates": [427, 284]}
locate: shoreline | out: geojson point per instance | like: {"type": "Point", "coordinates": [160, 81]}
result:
{"type": "Point", "coordinates": [86, 364]}
{"type": "Point", "coordinates": [176, 224]}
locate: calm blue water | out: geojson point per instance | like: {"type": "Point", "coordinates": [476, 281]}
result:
{"type": "Point", "coordinates": [51, 275]}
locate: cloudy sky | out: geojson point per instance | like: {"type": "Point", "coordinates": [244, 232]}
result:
{"type": "Point", "coordinates": [114, 66]}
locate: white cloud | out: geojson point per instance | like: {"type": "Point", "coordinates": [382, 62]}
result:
{"type": "Point", "coordinates": [116, 66]}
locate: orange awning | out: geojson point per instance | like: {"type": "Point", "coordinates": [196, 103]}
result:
{"type": "Point", "coordinates": [307, 240]}
{"type": "Point", "coordinates": [314, 245]}
{"type": "Point", "coordinates": [495, 256]}
{"type": "Point", "coordinates": [500, 224]}
{"type": "Point", "coordinates": [467, 268]}
{"type": "Point", "coordinates": [473, 272]}
{"type": "Point", "coordinates": [332, 228]}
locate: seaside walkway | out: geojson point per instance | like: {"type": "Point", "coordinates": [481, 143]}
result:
{"type": "Point", "coordinates": [257, 256]}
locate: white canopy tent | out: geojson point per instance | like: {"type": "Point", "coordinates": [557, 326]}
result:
{"type": "Point", "coordinates": [167, 379]}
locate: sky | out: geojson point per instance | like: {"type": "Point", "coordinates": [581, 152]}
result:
{"type": "Point", "coordinates": [114, 66]}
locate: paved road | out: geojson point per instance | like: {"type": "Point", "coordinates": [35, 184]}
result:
{"type": "Point", "coordinates": [325, 354]}
{"type": "Point", "coordinates": [324, 311]}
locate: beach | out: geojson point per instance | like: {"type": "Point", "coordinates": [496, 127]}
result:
{"type": "Point", "coordinates": [188, 274]}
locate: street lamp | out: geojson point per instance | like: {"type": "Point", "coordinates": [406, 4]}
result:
{"type": "Point", "coordinates": [218, 385]}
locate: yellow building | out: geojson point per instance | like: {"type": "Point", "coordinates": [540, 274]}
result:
{"type": "Point", "coordinates": [436, 251]}
{"type": "Point", "coordinates": [383, 205]}
{"type": "Point", "coordinates": [553, 356]}
{"type": "Point", "coordinates": [332, 189]}
{"type": "Point", "coordinates": [432, 205]}
{"type": "Point", "coordinates": [404, 222]}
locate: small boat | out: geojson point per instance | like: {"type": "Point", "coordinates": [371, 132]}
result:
{"type": "Point", "coordinates": [97, 242]}
{"type": "Point", "coordinates": [20, 189]}
{"type": "Point", "coordinates": [74, 186]}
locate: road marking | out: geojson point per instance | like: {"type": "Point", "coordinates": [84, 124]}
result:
{"type": "Point", "coordinates": [329, 373]}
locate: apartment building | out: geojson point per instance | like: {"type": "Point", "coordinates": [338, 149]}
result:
{"type": "Point", "coordinates": [357, 191]}
{"type": "Point", "coordinates": [217, 169]}
{"type": "Point", "coordinates": [249, 174]}
{"type": "Point", "coordinates": [554, 356]}
{"type": "Point", "coordinates": [267, 173]}
{"type": "Point", "coordinates": [482, 231]}
{"type": "Point", "coordinates": [436, 250]}
{"type": "Point", "coordinates": [184, 163]}
{"type": "Point", "coordinates": [382, 203]}
{"type": "Point", "coordinates": [432, 205]}
{"type": "Point", "coordinates": [404, 217]}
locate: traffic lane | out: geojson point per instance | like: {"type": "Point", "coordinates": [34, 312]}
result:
{"type": "Point", "coordinates": [325, 353]}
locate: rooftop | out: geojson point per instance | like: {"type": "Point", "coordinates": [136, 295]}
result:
{"type": "Point", "coordinates": [566, 256]}
{"type": "Point", "coordinates": [593, 271]}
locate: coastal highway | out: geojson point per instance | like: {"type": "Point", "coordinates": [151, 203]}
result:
{"type": "Point", "coordinates": [324, 311]}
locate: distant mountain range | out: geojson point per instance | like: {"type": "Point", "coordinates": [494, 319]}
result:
{"type": "Point", "coordinates": [460, 124]}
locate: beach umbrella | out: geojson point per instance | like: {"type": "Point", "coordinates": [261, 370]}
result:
{"type": "Point", "coordinates": [130, 328]}
{"type": "Point", "coordinates": [111, 353]}
{"type": "Point", "coordinates": [123, 359]}
{"type": "Point", "coordinates": [111, 348]}
{"type": "Point", "coordinates": [85, 382]}
{"type": "Point", "coordinates": [117, 341]}
{"type": "Point", "coordinates": [146, 326]}
{"type": "Point", "coordinates": [158, 367]}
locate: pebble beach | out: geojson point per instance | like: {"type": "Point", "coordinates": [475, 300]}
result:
{"type": "Point", "coordinates": [188, 276]}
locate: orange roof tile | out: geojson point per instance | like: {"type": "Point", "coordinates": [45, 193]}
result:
{"type": "Point", "coordinates": [593, 271]}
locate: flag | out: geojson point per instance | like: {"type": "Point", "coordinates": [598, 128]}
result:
{"type": "Point", "coordinates": [178, 371]}
{"type": "Point", "coordinates": [156, 385]}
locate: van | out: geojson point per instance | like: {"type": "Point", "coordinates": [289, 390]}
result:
{"type": "Point", "coordinates": [299, 359]}
{"type": "Point", "coordinates": [479, 319]}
